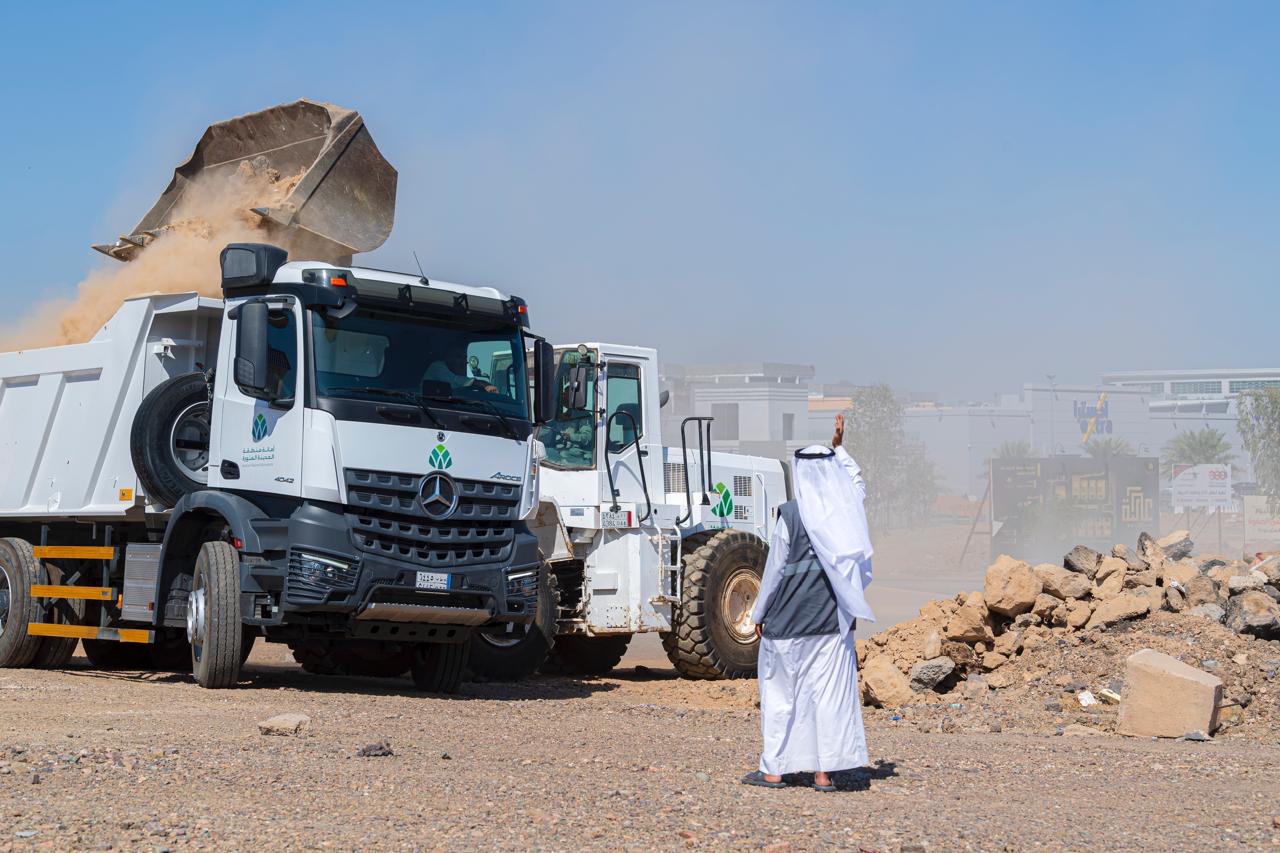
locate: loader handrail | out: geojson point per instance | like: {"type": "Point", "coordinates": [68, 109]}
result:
{"type": "Point", "coordinates": [704, 464]}
{"type": "Point", "coordinates": [640, 453]}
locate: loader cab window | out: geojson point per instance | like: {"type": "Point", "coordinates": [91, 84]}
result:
{"type": "Point", "coordinates": [282, 353]}
{"type": "Point", "coordinates": [570, 438]}
{"type": "Point", "coordinates": [622, 388]}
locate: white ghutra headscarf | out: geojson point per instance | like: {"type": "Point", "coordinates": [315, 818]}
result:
{"type": "Point", "coordinates": [836, 521]}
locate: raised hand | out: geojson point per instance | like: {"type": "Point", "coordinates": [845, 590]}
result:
{"type": "Point", "coordinates": [837, 438]}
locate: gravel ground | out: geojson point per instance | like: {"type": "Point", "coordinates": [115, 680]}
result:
{"type": "Point", "coordinates": [92, 760]}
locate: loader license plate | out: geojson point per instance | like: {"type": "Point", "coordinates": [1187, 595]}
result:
{"type": "Point", "coordinates": [621, 518]}
{"type": "Point", "coordinates": [433, 580]}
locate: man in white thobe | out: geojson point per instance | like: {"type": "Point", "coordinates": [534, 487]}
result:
{"type": "Point", "coordinates": [811, 597]}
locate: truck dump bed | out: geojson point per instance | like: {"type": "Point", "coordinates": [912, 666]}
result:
{"type": "Point", "coordinates": [66, 412]}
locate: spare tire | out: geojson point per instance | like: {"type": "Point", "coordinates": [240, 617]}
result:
{"type": "Point", "coordinates": [169, 441]}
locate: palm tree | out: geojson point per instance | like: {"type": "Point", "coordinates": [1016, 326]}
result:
{"type": "Point", "coordinates": [1109, 446]}
{"type": "Point", "coordinates": [1013, 450]}
{"type": "Point", "coordinates": [1206, 446]}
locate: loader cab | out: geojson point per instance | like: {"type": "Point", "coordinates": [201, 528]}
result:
{"type": "Point", "coordinates": [597, 448]}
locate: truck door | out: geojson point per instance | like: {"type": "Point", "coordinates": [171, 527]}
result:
{"type": "Point", "coordinates": [258, 443]}
{"type": "Point", "coordinates": [627, 437]}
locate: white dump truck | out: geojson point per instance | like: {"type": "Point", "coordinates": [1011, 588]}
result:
{"type": "Point", "coordinates": [311, 459]}
{"type": "Point", "coordinates": [639, 536]}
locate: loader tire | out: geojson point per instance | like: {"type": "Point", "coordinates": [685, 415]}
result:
{"type": "Point", "coordinates": [512, 651]}
{"type": "Point", "coordinates": [169, 441]}
{"type": "Point", "coordinates": [55, 652]}
{"type": "Point", "coordinates": [578, 654]}
{"type": "Point", "coordinates": [439, 667]}
{"type": "Point", "coordinates": [213, 616]}
{"type": "Point", "coordinates": [19, 569]}
{"type": "Point", "coordinates": [712, 635]}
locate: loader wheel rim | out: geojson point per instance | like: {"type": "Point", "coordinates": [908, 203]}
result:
{"type": "Point", "coordinates": [736, 601]}
{"type": "Point", "coordinates": [506, 635]}
{"type": "Point", "coordinates": [189, 441]}
{"type": "Point", "coordinates": [4, 598]}
{"type": "Point", "coordinates": [195, 620]}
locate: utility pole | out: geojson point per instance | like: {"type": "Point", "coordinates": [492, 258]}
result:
{"type": "Point", "coordinates": [1053, 391]}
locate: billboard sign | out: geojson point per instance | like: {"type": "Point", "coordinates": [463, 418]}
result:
{"type": "Point", "coordinates": [1202, 486]}
{"type": "Point", "coordinates": [1043, 507]}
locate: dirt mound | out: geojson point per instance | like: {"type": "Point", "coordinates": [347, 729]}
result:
{"type": "Point", "coordinates": [1043, 648]}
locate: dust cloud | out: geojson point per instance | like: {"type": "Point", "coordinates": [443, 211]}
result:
{"type": "Point", "coordinates": [182, 258]}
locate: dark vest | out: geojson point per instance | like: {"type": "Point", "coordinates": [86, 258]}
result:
{"type": "Point", "coordinates": [803, 604]}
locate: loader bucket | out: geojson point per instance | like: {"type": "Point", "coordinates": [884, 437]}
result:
{"type": "Point", "coordinates": [343, 203]}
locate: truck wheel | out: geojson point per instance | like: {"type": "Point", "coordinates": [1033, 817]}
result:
{"type": "Point", "coordinates": [18, 571]}
{"type": "Point", "coordinates": [169, 441]}
{"type": "Point", "coordinates": [316, 657]}
{"type": "Point", "coordinates": [55, 652]}
{"type": "Point", "coordinates": [578, 654]}
{"type": "Point", "coordinates": [511, 651]}
{"type": "Point", "coordinates": [108, 655]}
{"type": "Point", "coordinates": [213, 616]}
{"type": "Point", "coordinates": [438, 667]}
{"type": "Point", "coordinates": [712, 633]}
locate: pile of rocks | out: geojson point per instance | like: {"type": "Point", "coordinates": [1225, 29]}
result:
{"type": "Point", "coordinates": [1023, 607]}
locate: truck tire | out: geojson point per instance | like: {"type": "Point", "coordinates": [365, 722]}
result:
{"type": "Point", "coordinates": [169, 441]}
{"type": "Point", "coordinates": [439, 667]}
{"type": "Point", "coordinates": [19, 569]}
{"type": "Point", "coordinates": [512, 651]}
{"type": "Point", "coordinates": [55, 652]}
{"type": "Point", "coordinates": [213, 616]}
{"type": "Point", "coordinates": [578, 654]}
{"type": "Point", "coordinates": [712, 635]}
{"type": "Point", "coordinates": [108, 655]}
{"type": "Point", "coordinates": [316, 657]}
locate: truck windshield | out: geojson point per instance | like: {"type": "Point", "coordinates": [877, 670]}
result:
{"type": "Point", "coordinates": [373, 354]}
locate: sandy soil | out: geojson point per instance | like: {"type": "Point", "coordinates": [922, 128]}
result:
{"type": "Point", "coordinates": [151, 762]}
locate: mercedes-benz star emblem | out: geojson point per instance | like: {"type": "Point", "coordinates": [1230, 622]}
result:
{"type": "Point", "coordinates": [439, 496]}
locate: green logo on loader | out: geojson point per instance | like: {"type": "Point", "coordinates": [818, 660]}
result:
{"type": "Point", "coordinates": [440, 457]}
{"type": "Point", "coordinates": [259, 427]}
{"type": "Point", "coordinates": [723, 508]}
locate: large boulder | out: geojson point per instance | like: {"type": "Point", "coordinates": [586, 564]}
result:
{"type": "Point", "coordinates": [1164, 697]}
{"type": "Point", "coordinates": [1255, 613]}
{"type": "Point", "coordinates": [1201, 589]}
{"type": "Point", "coordinates": [1244, 583]}
{"type": "Point", "coordinates": [1270, 569]}
{"type": "Point", "coordinates": [1226, 571]}
{"type": "Point", "coordinates": [928, 674]}
{"type": "Point", "coordinates": [1212, 612]}
{"type": "Point", "coordinates": [1133, 580]}
{"type": "Point", "coordinates": [1062, 583]}
{"type": "Point", "coordinates": [1083, 560]}
{"type": "Point", "coordinates": [1109, 566]}
{"type": "Point", "coordinates": [1176, 545]}
{"type": "Point", "coordinates": [1180, 572]}
{"type": "Point", "coordinates": [1010, 587]}
{"type": "Point", "coordinates": [1149, 551]}
{"type": "Point", "coordinates": [1126, 605]}
{"type": "Point", "coordinates": [969, 624]}
{"type": "Point", "coordinates": [884, 684]}
{"type": "Point", "coordinates": [1111, 586]}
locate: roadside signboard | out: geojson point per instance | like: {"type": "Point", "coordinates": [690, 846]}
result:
{"type": "Point", "coordinates": [1261, 525]}
{"type": "Point", "coordinates": [1202, 486]}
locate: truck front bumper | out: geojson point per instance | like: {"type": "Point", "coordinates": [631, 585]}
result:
{"type": "Point", "coordinates": [324, 572]}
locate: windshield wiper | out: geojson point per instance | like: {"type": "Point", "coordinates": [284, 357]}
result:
{"type": "Point", "coordinates": [486, 405]}
{"type": "Point", "coordinates": [396, 394]}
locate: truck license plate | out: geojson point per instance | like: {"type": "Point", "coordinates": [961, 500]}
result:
{"type": "Point", "coordinates": [433, 580]}
{"type": "Point", "coordinates": [621, 518]}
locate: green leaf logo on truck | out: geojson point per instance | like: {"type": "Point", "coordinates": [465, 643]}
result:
{"type": "Point", "coordinates": [440, 457]}
{"type": "Point", "coordinates": [723, 508]}
{"type": "Point", "coordinates": [259, 427]}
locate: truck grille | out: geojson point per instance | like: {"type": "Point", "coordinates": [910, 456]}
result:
{"type": "Point", "coordinates": [387, 519]}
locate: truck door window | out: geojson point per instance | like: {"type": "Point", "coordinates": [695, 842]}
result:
{"type": "Point", "coordinates": [622, 389]}
{"type": "Point", "coordinates": [282, 353]}
{"type": "Point", "coordinates": [570, 439]}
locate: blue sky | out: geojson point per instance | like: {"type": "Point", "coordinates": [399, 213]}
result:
{"type": "Point", "coordinates": [944, 196]}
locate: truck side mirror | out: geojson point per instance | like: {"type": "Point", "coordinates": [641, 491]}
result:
{"type": "Point", "coordinates": [250, 366]}
{"type": "Point", "coordinates": [544, 372]}
{"type": "Point", "coordinates": [573, 397]}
